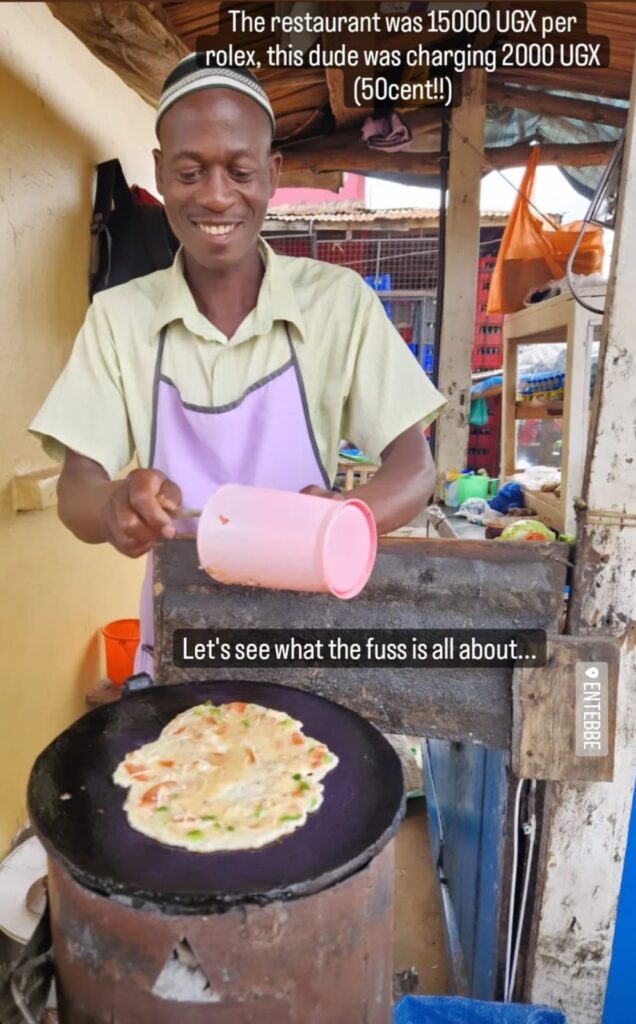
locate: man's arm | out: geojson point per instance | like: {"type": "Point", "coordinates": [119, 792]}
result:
{"type": "Point", "coordinates": [402, 485]}
{"type": "Point", "coordinates": [131, 514]}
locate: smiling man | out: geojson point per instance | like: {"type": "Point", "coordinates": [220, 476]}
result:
{"type": "Point", "coordinates": [236, 365]}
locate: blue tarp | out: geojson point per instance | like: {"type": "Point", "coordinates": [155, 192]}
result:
{"type": "Point", "coordinates": [452, 1010]}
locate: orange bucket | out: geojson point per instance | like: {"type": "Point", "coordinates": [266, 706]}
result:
{"type": "Point", "coordinates": [121, 639]}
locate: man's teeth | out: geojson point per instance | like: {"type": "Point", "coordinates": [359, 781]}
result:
{"type": "Point", "coordinates": [216, 229]}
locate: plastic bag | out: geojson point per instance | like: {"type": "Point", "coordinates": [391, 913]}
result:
{"type": "Point", "coordinates": [453, 1010]}
{"type": "Point", "coordinates": [533, 251]}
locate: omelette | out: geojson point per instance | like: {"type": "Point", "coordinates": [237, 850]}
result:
{"type": "Point", "coordinates": [224, 777]}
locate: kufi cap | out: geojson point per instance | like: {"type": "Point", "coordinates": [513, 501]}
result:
{"type": "Point", "coordinates": [192, 75]}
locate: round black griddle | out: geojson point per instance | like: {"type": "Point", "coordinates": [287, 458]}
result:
{"type": "Point", "coordinates": [90, 835]}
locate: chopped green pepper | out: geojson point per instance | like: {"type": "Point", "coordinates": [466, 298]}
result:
{"type": "Point", "coordinates": [195, 834]}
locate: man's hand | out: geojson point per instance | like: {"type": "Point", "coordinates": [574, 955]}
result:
{"type": "Point", "coordinates": [130, 514]}
{"type": "Point", "coordinates": [402, 485]}
{"type": "Point", "coordinates": [136, 514]}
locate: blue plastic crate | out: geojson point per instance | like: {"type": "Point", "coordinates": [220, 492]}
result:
{"type": "Point", "coordinates": [453, 1010]}
{"type": "Point", "coordinates": [379, 282]}
{"type": "Point", "coordinates": [428, 354]}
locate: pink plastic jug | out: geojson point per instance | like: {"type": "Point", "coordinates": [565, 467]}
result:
{"type": "Point", "coordinates": [259, 537]}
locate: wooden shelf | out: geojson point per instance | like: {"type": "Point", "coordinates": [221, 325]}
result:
{"type": "Point", "coordinates": [561, 320]}
{"type": "Point", "coordinates": [547, 409]}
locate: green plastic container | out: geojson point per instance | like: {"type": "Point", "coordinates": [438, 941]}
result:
{"type": "Point", "coordinates": [471, 487]}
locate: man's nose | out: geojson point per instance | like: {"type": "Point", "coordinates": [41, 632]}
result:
{"type": "Point", "coordinates": [216, 193]}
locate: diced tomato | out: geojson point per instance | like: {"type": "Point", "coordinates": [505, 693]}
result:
{"type": "Point", "coordinates": [217, 759]}
{"type": "Point", "coordinates": [178, 732]}
{"type": "Point", "coordinates": [297, 739]}
{"type": "Point", "coordinates": [236, 705]}
{"type": "Point", "coordinates": [167, 764]}
{"type": "Point", "coordinates": [250, 755]}
{"type": "Point", "coordinates": [138, 772]}
{"type": "Point", "coordinates": [151, 796]}
{"type": "Point", "coordinates": [316, 759]}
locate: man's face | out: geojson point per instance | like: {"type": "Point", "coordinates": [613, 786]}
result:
{"type": "Point", "coordinates": [216, 174]}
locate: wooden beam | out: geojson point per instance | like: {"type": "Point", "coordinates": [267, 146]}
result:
{"type": "Point", "coordinates": [544, 712]}
{"type": "Point", "coordinates": [586, 827]}
{"type": "Point", "coordinates": [134, 40]}
{"type": "Point", "coordinates": [460, 280]}
{"type": "Point", "coordinates": [331, 180]}
{"type": "Point", "coordinates": [556, 106]}
{"type": "Point", "coordinates": [435, 583]}
{"type": "Point", "coordinates": [327, 155]}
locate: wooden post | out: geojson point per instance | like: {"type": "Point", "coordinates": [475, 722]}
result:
{"type": "Point", "coordinates": [586, 826]}
{"type": "Point", "coordinates": [460, 284]}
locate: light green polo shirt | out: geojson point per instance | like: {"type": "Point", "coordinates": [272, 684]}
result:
{"type": "Point", "coordinates": [361, 381]}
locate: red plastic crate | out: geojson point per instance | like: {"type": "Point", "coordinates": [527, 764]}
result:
{"type": "Point", "coordinates": [485, 358]}
{"type": "Point", "coordinates": [487, 263]}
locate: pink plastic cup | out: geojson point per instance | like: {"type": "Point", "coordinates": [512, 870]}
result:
{"type": "Point", "coordinates": [258, 537]}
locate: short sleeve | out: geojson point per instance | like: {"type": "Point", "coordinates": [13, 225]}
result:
{"type": "Point", "coordinates": [389, 391]}
{"type": "Point", "coordinates": [86, 409]}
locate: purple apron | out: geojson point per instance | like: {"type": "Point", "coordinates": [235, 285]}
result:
{"type": "Point", "coordinates": [263, 439]}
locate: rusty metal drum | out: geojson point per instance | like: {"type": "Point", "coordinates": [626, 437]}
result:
{"type": "Point", "coordinates": [319, 959]}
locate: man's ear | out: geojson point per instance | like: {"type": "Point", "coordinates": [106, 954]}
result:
{"type": "Point", "coordinates": [275, 167]}
{"type": "Point", "coordinates": [158, 158]}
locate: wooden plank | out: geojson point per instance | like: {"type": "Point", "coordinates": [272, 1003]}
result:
{"type": "Point", "coordinates": [509, 401]}
{"type": "Point", "coordinates": [416, 583]}
{"type": "Point", "coordinates": [345, 157]}
{"type": "Point", "coordinates": [544, 713]}
{"type": "Point", "coordinates": [460, 275]}
{"type": "Point", "coordinates": [585, 834]}
{"type": "Point", "coordinates": [546, 410]}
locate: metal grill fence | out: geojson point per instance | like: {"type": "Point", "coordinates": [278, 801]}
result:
{"type": "Point", "coordinates": [403, 270]}
{"type": "Point", "coordinates": [399, 262]}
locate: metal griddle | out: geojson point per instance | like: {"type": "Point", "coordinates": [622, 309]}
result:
{"type": "Point", "coordinates": [90, 835]}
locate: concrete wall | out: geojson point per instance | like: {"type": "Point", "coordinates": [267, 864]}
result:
{"type": "Point", "coordinates": [353, 188]}
{"type": "Point", "coordinates": [62, 112]}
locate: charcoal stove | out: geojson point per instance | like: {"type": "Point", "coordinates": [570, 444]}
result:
{"type": "Point", "coordinates": [299, 931]}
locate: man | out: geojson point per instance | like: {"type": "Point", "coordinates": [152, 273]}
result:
{"type": "Point", "coordinates": [235, 365]}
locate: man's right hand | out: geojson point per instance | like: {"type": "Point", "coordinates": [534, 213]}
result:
{"type": "Point", "coordinates": [130, 514]}
{"type": "Point", "coordinates": [136, 514]}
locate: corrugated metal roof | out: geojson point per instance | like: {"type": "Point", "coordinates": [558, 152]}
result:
{"type": "Point", "coordinates": [353, 211]}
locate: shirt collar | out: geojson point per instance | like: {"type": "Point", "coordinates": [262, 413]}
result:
{"type": "Point", "coordinates": [276, 301]}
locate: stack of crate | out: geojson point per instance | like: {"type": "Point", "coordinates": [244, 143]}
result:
{"type": "Point", "coordinates": [484, 442]}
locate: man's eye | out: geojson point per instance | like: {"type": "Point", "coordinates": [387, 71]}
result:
{"type": "Point", "coordinates": [241, 175]}
{"type": "Point", "coordinates": [188, 177]}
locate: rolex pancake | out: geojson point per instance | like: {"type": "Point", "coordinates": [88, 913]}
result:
{"type": "Point", "coordinates": [229, 777]}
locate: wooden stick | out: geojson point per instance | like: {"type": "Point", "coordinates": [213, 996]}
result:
{"type": "Point", "coordinates": [556, 106]}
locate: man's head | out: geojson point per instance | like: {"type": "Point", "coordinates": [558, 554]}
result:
{"type": "Point", "coordinates": [215, 169]}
